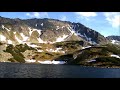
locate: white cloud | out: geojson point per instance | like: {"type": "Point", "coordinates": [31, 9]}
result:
{"type": "Point", "coordinates": [37, 14]}
{"type": "Point", "coordinates": [113, 18]}
{"type": "Point", "coordinates": [86, 14]}
{"type": "Point", "coordinates": [63, 18]}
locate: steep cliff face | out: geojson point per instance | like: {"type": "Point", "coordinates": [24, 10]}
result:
{"type": "Point", "coordinates": [88, 34]}
{"type": "Point", "coordinates": [14, 31]}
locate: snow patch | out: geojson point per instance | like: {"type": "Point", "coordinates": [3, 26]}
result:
{"type": "Point", "coordinates": [3, 27]}
{"type": "Point", "coordinates": [61, 38]}
{"type": "Point", "coordinates": [89, 39]}
{"type": "Point", "coordinates": [86, 47]}
{"type": "Point", "coordinates": [86, 37]}
{"type": "Point", "coordinates": [2, 38]}
{"type": "Point", "coordinates": [39, 31]}
{"type": "Point", "coordinates": [74, 56]}
{"type": "Point", "coordinates": [9, 41]}
{"type": "Point", "coordinates": [25, 38]}
{"type": "Point", "coordinates": [57, 28]}
{"type": "Point", "coordinates": [113, 41]}
{"type": "Point", "coordinates": [115, 56]}
{"type": "Point", "coordinates": [92, 60]}
{"type": "Point", "coordinates": [30, 31]}
{"type": "Point", "coordinates": [58, 62]}
{"type": "Point", "coordinates": [56, 50]}
{"type": "Point", "coordinates": [52, 62]}
{"type": "Point", "coordinates": [45, 62]}
{"type": "Point", "coordinates": [41, 41]}
{"type": "Point", "coordinates": [41, 24]}
{"type": "Point", "coordinates": [14, 32]}
{"type": "Point", "coordinates": [40, 51]}
{"type": "Point", "coordinates": [30, 61]}
{"type": "Point", "coordinates": [79, 34]}
{"type": "Point", "coordinates": [32, 45]}
{"type": "Point", "coordinates": [63, 26]}
{"type": "Point", "coordinates": [36, 25]}
{"type": "Point", "coordinates": [71, 30]}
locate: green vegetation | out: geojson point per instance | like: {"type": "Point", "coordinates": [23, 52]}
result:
{"type": "Point", "coordinates": [89, 53]}
{"type": "Point", "coordinates": [101, 54]}
{"type": "Point", "coordinates": [45, 55]}
{"type": "Point", "coordinates": [115, 49]}
{"type": "Point", "coordinates": [15, 51]}
{"type": "Point", "coordinates": [1, 43]}
{"type": "Point", "coordinates": [12, 60]}
{"type": "Point", "coordinates": [70, 46]}
{"type": "Point", "coordinates": [66, 57]}
{"type": "Point", "coordinates": [112, 60]}
{"type": "Point", "coordinates": [104, 62]}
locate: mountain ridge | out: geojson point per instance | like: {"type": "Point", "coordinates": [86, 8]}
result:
{"type": "Point", "coordinates": [52, 30]}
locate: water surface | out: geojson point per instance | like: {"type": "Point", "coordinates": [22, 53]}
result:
{"type": "Point", "coordinates": [17, 70]}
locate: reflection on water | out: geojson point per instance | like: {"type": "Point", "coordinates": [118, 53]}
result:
{"type": "Point", "coordinates": [16, 70]}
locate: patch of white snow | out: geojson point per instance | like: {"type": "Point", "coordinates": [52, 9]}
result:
{"type": "Point", "coordinates": [9, 41]}
{"type": "Point", "coordinates": [30, 61]}
{"type": "Point", "coordinates": [52, 62]}
{"type": "Point", "coordinates": [25, 38]}
{"type": "Point", "coordinates": [57, 28]}
{"type": "Point", "coordinates": [36, 25]}
{"type": "Point", "coordinates": [115, 56]}
{"type": "Point", "coordinates": [113, 41]}
{"type": "Point", "coordinates": [86, 47]}
{"type": "Point", "coordinates": [3, 27]}
{"type": "Point", "coordinates": [32, 45]}
{"type": "Point", "coordinates": [2, 38]}
{"type": "Point", "coordinates": [59, 39]}
{"type": "Point", "coordinates": [14, 32]}
{"type": "Point", "coordinates": [41, 24]}
{"type": "Point", "coordinates": [40, 51]}
{"type": "Point", "coordinates": [91, 61]}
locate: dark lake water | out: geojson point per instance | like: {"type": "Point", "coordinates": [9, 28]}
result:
{"type": "Point", "coordinates": [17, 70]}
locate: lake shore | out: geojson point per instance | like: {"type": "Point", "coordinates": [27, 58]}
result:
{"type": "Point", "coordinates": [113, 67]}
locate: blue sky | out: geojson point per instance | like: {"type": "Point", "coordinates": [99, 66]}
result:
{"type": "Point", "coordinates": [106, 23]}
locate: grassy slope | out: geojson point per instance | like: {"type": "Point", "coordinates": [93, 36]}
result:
{"type": "Point", "coordinates": [101, 54]}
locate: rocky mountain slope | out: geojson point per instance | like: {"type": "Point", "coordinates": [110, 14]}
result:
{"type": "Point", "coordinates": [14, 31]}
{"type": "Point", "coordinates": [114, 39]}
